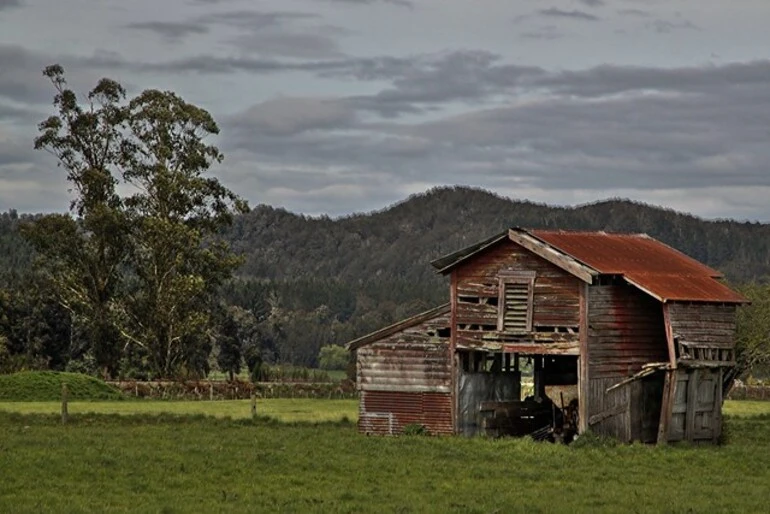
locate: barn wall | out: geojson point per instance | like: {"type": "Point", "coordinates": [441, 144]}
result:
{"type": "Point", "coordinates": [387, 413]}
{"type": "Point", "coordinates": [405, 378]}
{"type": "Point", "coordinates": [555, 300]}
{"type": "Point", "coordinates": [625, 331]}
{"type": "Point", "coordinates": [705, 333]}
{"type": "Point", "coordinates": [708, 325]}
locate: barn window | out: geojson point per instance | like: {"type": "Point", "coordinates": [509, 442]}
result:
{"type": "Point", "coordinates": [515, 301]}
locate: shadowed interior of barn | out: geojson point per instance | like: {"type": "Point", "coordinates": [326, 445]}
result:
{"type": "Point", "coordinates": [623, 335]}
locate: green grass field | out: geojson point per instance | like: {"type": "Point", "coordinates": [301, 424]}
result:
{"type": "Point", "coordinates": [154, 462]}
{"type": "Point", "coordinates": [282, 409]}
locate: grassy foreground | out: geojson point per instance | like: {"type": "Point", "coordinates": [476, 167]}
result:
{"type": "Point", "coordinates": [161, 463]}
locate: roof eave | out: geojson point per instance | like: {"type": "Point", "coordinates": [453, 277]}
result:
{"type": "Point", "coordinates": [395, 327]}
{"type": "Point", "coordinates": [553, 255]}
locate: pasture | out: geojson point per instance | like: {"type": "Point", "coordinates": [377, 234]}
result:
{"type": "Point", "coordinates": [133, 456]}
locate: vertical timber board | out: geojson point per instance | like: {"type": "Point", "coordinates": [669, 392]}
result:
{"type": "Point", "coordinates": [669, 336]}
{"type": "Point", "coordinates": [718, 408]}
{"type": "Point", "coordinates": [692, 402]}
{"type": "Point", "coordinates": [669, 384]}
{"type": "Point", "coordinates": [583, 361]}
{"type": "Point", "coordinates": [636, 411]}
{"type": "Point", "coordinates": [453, 358]}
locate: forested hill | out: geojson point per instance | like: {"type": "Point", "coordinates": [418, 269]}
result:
{"type": "Point", "coordinates": [398, 242]}
{"type": "Point", "coordinates": [309, 282]}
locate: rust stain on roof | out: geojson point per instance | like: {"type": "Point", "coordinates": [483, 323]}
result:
{"type": "Point", "coordinates": [645, 262]}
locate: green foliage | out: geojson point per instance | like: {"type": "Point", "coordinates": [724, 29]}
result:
{"type": "Point", "coordinates": [413, 429]}
{"type": "Point", "coordinates": [199, 464]}
{"type": "Point", "coordinates": [753, 334]}
{"type": "Point", "coordinates": [287, 373]}
{"type": "Point", "coordinates": [141, 268]}
{"type": "Point", "coordinates": [47, 385]}
{"type": "Point", "coordinates": [333, 357]}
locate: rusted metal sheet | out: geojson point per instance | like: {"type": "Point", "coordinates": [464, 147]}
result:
{"type": "Point", "coordinates": [654, 267]}
{"type": "Point", "coordinates": [387, 413]}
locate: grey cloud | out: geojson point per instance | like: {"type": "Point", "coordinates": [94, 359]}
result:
{"type": "Point", "coordinates": [304, 46]}
{"type": "Point", "coordinates": [613, 80]}
{"type": "Point", "coordinates": [666, 27]}
{"type": "Point", "coordinates": [171, 31]}
{"type": "Point", "coordinates": [592, 3]}
{"type": "Point", "coordinates": [289, 116]}
{"type": "Point", "coordinates": [652, 141]}
{"type": "Point", "coordinates": [21, 78]}
{"type": "Point", "coordinates": [7, 4]}
{"type": "Point", "coordinates": [639, 13]}
{"type": "Point", "coordinates": [402, 3]}
{"type": "Point", "coordinates": [255, 19]}
{"type": "Point", "coordinates": [546, 32]}
{"type": "Point", "coordinates": [554, 12]}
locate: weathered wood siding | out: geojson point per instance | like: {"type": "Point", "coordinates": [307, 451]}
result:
{"type": "Point", "coordinates": [556, 294]}
{"type": "Point", "coordinates": [703, 323]}
{"type": "Point", "coordinates": [405, 378]}
{"type": "Point", "coordinates": [625, 331]}
{"type": "Point", "coordinates": [696, 413]}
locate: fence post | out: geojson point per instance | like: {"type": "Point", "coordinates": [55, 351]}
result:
{"type": "Point", "coordinates": [211, 391]}
{"type": "Point", "coordinates": [64, 398]}
{"type": "Point", "coordinates": [253, 406]}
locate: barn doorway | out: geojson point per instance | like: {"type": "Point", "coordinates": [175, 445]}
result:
{"type": "Point", "coordinates": [503, 394]}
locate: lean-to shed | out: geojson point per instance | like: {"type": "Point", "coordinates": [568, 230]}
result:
{"type": "Point", "coordinates": [625, 335]}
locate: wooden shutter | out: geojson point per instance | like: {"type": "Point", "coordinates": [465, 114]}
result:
{"type": "Point", "coordinates": [515, 302]}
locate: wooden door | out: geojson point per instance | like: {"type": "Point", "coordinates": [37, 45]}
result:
{"type": "Point", "coordinates": [696, 414]}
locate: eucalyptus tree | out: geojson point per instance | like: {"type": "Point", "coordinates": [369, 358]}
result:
{"type": "Point", "coordinates": [83, 253]}
{"type": "Point", "coordinates": [144, 264]}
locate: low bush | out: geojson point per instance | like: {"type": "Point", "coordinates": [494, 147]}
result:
{"type": "Point", "coordinates": [32, 386]}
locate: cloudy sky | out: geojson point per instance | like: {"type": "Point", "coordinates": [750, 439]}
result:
{"type": "Point", "coordinates": [339, 106]}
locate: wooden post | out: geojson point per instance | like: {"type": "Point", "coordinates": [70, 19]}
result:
{"type": "Point", "coordinates": [253, 406]}
{"type": "Point", "coordinates": [211, 391]}
{"type": "Point", "coordinates": [666, 407]}
{"type": "Point", "coordinates": [692, 402]}
{"type": "Point", "coordinates": [64, 399]}
{"type": "Point", "coordinates": [583, 362]}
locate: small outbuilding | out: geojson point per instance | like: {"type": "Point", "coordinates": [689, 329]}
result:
{"type": "Point", "coordinates": [622, 335]}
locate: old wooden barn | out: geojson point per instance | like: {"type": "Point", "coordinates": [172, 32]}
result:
{"type": "Point", "coordinates": [621, 334]}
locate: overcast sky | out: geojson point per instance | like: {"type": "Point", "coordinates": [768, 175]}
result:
{"type": "Point", "coordinates": [340, 106]}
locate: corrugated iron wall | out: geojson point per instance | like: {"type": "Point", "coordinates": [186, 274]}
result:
{"type": "Point", "coordinates": [388, 412]}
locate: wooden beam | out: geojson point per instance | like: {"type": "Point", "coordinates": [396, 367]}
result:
{"type": "Point", "coordinates": [666, 406]}
{"type": "Point", "coordinates": [614, 411]}
{"type": "Point", "coordinates": [717, 420]}
{"type": "Point", "coordinates": [669, 336]}
{"type": "Point", "coordinates": [692, 402]}
{"type": "Point", "coordinates": [542, 348]}
{"type": "Point", "coordinates": [553, 255]}
{"type": "Point", "coordinates": [583, 361]}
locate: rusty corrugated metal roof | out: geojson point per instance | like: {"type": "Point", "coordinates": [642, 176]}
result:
{"type": "Point", "coordinates": [645, 262]}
